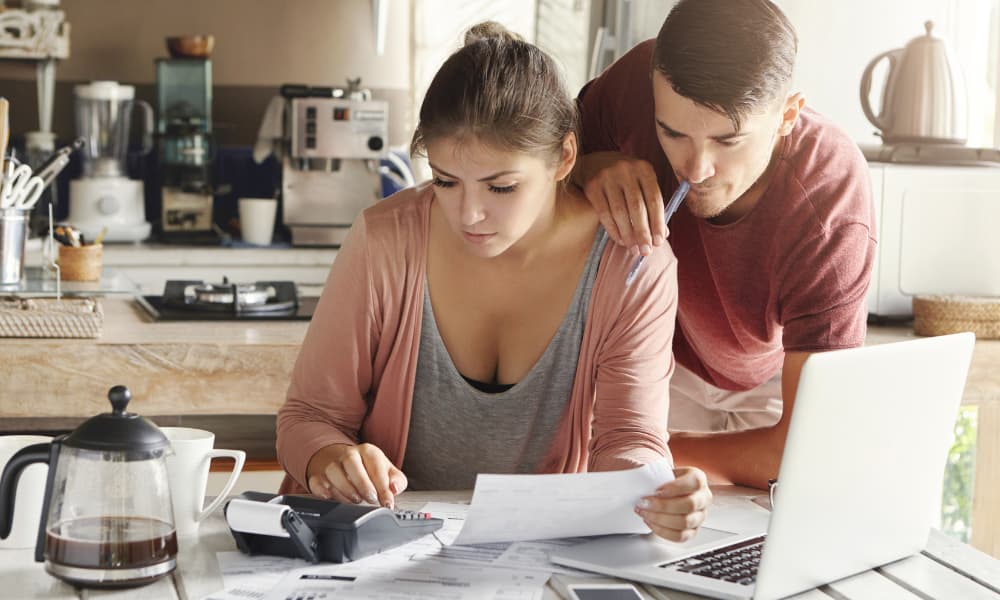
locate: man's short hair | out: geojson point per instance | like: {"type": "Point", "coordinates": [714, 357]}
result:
{"type": "Point", "coordinates": [733, 56]}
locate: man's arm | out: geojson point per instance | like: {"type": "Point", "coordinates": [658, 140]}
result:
{"type": "Point", "coordinates": [747, 457]}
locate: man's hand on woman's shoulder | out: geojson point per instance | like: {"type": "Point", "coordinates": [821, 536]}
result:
{"type": "Point", "coordinates": [626, 196]}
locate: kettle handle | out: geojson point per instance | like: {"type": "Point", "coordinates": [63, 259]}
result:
{"type": "Point", "coordinates": [23, 458]}
{"type": "Point", "coordinates": [866, 86]}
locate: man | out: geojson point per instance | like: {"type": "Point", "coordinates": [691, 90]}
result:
{"type": "Point", "coordinates": [775, 239]}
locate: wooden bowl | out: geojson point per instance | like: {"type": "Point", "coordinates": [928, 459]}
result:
{"type": "Point", "coordinates": [190, 46]}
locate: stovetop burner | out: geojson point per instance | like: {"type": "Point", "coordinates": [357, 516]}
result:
{"type": "Point", "coordinates": [197, 300]}
{"type": "Point", "coordinates": [263, 296]}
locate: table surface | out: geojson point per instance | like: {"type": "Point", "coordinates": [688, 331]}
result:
{"type": "Point", "coordinates": [947, 569]}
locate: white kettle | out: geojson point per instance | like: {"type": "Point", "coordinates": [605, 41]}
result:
{"type": "Point", "coordinates": [923, 98]}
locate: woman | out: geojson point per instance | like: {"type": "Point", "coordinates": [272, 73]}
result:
{"type": "Point", "coordinates": [481, 323]}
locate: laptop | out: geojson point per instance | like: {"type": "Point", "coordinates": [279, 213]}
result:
{"type": "Point", "coordinates": [860, 481]}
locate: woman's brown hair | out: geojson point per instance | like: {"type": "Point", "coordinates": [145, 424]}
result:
{"type": "Point", "coordinates": [500, 90]}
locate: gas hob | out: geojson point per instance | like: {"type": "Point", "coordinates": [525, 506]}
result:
{"type": "Point", "coordinates": [184, 300]}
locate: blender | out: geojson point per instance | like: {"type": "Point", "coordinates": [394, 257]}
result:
{"type": "Point", "coordinates": [105, 196]}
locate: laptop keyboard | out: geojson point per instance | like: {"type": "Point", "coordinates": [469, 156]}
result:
{"type": "Point", "coordinates": [736, 563]}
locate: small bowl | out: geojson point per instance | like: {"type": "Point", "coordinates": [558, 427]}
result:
{"type": "Point", "coordinates": [190, 46]}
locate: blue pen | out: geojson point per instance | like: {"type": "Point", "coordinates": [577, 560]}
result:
{"type": "Point", "coordinates": [672, 206]}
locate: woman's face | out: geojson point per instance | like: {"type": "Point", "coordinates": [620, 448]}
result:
{"type": "Point", "coordinates": [492, 198]}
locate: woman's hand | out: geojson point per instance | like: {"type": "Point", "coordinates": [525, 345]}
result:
{"type": "Point", "coordinates": [677, 509]}
{"type": "Point", "coordinates": [351, 474]}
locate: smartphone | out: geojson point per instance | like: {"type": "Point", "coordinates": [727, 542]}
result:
{"type": "Point", "coordinates": [603, 591]}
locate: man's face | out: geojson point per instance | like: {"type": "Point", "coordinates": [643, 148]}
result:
{"type": "Point", "coordinates": [703, 147]}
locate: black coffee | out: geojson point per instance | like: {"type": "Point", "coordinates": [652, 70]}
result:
{"type": "Point", "coordinates": [111, 542]}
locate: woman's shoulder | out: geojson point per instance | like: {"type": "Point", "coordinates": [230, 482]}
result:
{"type": "Point", "coordinates": [403, 204]}
{"type": "Point", "coordinates": [402, 217]}
{"type": "Point", "coordinates": [619, 259]}
{"type": "Point", "coordinates": [655, 282]}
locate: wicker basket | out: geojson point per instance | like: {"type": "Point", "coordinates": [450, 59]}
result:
{"type": "Point", "coordinates": [51, 318]}
{"type": "Point", "coordinates": [940, 315]}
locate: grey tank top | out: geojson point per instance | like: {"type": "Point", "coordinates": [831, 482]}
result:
{"type": "Point", "coordinates": [457, 431]}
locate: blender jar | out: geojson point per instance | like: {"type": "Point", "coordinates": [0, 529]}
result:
{"type": "Point", "coordinates": [103, 118]}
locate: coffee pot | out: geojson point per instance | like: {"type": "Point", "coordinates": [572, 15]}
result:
{"type": "Point", "coordinates": [923, 97]}
{"type": "Point", "coordinates": [107, 520]}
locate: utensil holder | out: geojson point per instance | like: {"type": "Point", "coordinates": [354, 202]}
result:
{"type": "Point", "coordinates": [80, 263]}
{"type": "Point", "coordinates": [13, 233]}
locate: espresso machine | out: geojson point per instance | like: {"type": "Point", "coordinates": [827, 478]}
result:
{"type": "Point", "coordinates": [184, 132]}
{"type": "Point", "coordinates": [330, 169]}
{"type": "Point", "coordinates": [105, 197]}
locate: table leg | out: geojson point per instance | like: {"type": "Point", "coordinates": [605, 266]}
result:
{"type": "Point", "coordinates": [986, 490]}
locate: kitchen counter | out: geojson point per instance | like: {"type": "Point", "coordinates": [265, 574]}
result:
{"type": "Point", "coordinates": [150, 265]}
{"type": "Point", "coordinates": [179, 255]}
{"type": "Point", "coordinates": [172, 368]}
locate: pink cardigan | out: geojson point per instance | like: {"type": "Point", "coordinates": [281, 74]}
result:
{"type": "Point", "coordinates": [353, 380]}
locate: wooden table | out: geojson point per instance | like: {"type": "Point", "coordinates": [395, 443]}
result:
{"type": "Point", "coordinates": [946, 570]}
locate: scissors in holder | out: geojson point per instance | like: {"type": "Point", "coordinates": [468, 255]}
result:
{"type": "Point", "coordinates": [21, 189]}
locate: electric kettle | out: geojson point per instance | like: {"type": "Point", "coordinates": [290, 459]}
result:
{"type": "Point", "coordinates": [107, 520]}
{"type": "Point", "coordinates": [923, 98]}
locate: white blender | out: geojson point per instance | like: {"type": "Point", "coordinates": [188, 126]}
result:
{"type": "Point", "coordinates": [104, 196]}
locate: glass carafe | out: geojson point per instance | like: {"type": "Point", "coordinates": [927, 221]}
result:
{"type": "Point", "coordinates": [114, 516]}
{"type": "Point", "coordinates": [107, 519]}
{"type": "Point", "coordinates": [103, 119]}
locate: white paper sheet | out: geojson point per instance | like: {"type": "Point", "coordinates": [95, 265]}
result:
{"type": "Point", "coordinates": [510, 508]}
{"type": "Point", "coordinates": [395, 579]}
{"type": "Point", "coordinates": [250, 577]}
{"type": "Point", "coordinates": [532, 555]}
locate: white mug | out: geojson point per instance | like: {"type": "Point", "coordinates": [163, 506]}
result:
{"type": "Point", "coordinates": [187, 470]}
{"type": "Point", "coordinates": [257, 219]}
{"type": "Point", "coordinates": [29, 494]}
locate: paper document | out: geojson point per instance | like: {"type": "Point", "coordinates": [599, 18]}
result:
{"type": "Point", "coordinates": [409, 580]}
{"type": "Point", "coordinates": [529, 556]}
{"type": "Point", "coordinates": [511, 508]}
{"type": "Point", "coordinates": [250, 577]}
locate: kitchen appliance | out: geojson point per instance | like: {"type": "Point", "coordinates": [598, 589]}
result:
{"type": "Point", "coordinates": [330, 167]}
{"type": "Point", "coordinates": [184, 132]}
{"type": "Point", "coordinates": [923, 96]}
{"type": "Point", "coordinates": [105, 196]}
{"type": "Point", "coordinates": [200, 301]}
{"type": "Point", "coordinates": [936, 233]}
{"type": "Point", "coordinates": [106, 517]}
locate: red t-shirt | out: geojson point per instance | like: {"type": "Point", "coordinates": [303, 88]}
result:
{"type": "Point", "coordinates": [791, 275]}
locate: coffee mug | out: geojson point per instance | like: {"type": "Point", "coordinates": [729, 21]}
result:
{"type": "Point", "coordinates": [257, 220]}
{"type": "Point", "coordinates": [187, 470]}
{"type": "Point", "coordinates": [29, 494]}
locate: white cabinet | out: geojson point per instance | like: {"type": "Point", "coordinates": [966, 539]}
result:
{"type": "Point", "coordinates": [937, 234]}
